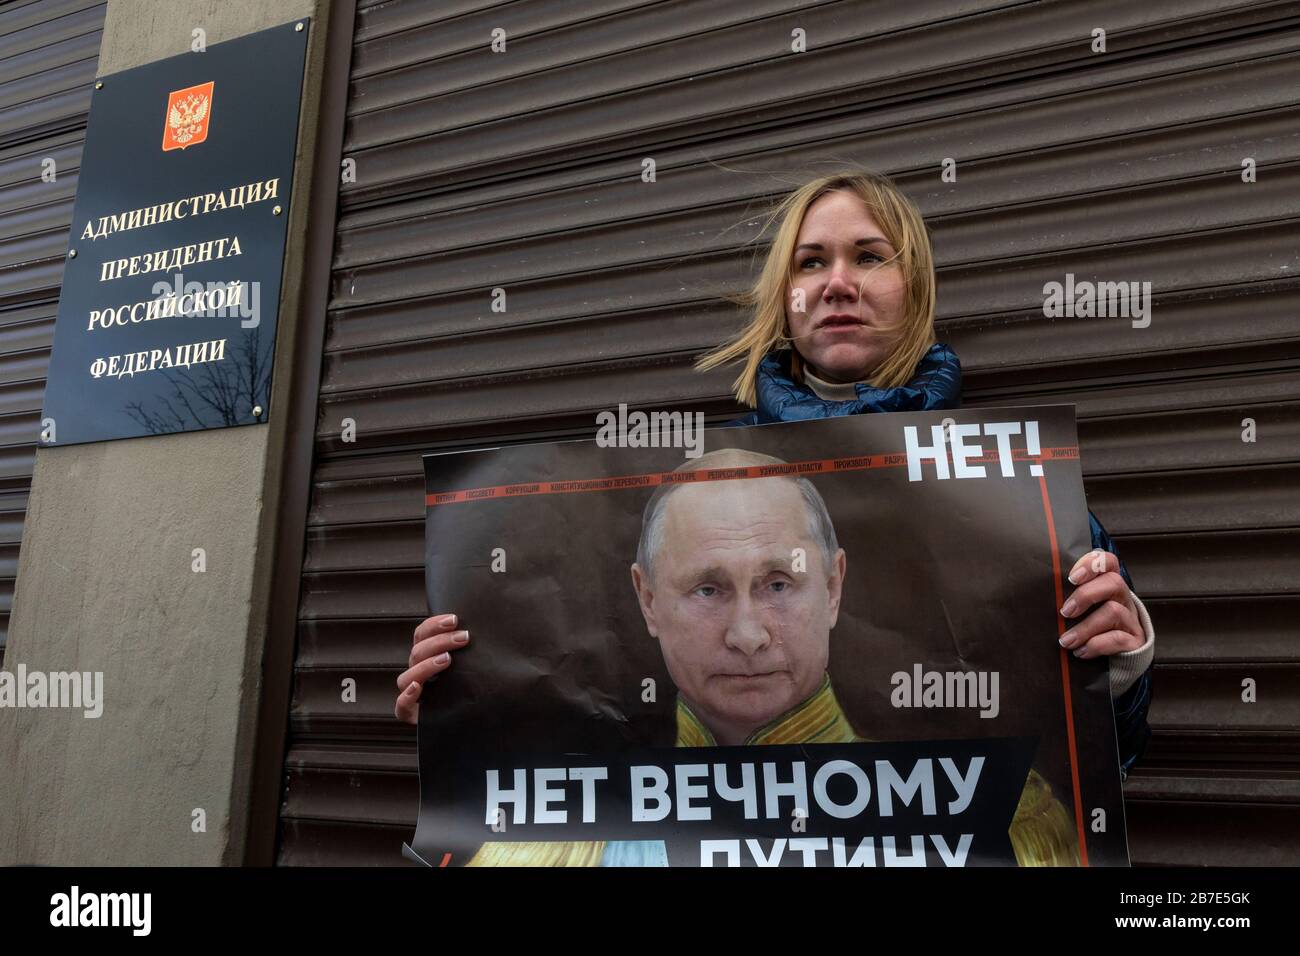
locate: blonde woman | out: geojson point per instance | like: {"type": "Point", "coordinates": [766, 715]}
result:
{"type": "Point", "coordinates": [843, 324]}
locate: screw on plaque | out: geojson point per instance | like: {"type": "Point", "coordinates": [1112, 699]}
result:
{"type": "Point", "coordinates": [72, 253]}
{"type": "Point", "coordinates": [99, 84]}
{"type": "Point", "coordinates": [257, 411]}
{"type": "Point", "coordinates": [297, 27]}
{"type": "Point", "coordinates": [276, 211]}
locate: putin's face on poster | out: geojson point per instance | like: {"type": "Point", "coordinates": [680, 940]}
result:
{"type": "Point", "coordinates": [740, 582]}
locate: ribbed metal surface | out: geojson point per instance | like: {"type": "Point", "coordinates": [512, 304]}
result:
{"type": "Point", "coordinates": [48, 52]}
{"type": "Point", "coordinates": [522, 170]}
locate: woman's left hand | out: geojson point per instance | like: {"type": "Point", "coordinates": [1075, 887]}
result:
{"type": "Point", "coordinates": [1111, 625]}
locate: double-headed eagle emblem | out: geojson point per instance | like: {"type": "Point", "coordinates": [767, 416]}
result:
{"type": "Point", "coordinates": [188, 111]}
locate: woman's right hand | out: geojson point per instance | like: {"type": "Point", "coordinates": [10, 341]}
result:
{"type": "Point", "coordinates": [434, 640]}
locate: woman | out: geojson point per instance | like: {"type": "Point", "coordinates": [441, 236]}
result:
{"type": "Point", "coordinates": [843, 324]}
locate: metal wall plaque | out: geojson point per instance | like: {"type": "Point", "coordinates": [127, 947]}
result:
{"type": "Point", "coordinates": [171, 287]}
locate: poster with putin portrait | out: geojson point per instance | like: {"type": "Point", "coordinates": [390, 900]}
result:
{"type": "Point", "coordinates": [825, 643]}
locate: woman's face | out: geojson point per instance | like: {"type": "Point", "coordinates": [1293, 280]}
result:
{"type": "Point", "coordinates": [843, 309]}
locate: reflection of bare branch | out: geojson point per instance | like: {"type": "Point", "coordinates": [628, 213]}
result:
{"type": "Point", "coordinates": [212, 394]}
{"type": "Point", "coordinates": [157, 424]}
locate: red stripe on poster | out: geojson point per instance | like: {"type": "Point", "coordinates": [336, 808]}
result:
{"type": "Point", "coordinates": [817, 466]}
{"type": "Point", "coordinates": [1065, 675]}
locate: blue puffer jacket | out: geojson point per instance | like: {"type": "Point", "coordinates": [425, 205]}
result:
{"type": "Point", "coordinates": [936, 385]}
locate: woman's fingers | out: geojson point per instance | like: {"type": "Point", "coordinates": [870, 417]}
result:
{"type": "Point", "coordinates": [424, 670]}
{"type": "Point", "coordinates": [1108, 586]}
{"type": "Point", "coordinates": [407, 708]}
{"type": "Point", "coordinates": [1091, 565]}
{"type": "Point", "coordinates": [1109, 642]}
{"type": "Point", "coordinates": [432, 643]}
{"type": "Point", "coordinates": [1101, 598]}
{"type": "Point", "coordinates": [410, 683]}
{"type": "Point", "coordinates": [437, 644]}
{"type": "Point", "coordinates": [436, 624]}
{"type": "Point", "coordinates": [1109, 618]}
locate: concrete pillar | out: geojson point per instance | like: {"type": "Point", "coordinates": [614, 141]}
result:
{"type": "Point", "coordinates": [105, 580]}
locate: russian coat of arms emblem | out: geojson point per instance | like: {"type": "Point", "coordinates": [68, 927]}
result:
{"type": "Point", "coordinates": [188, 113]}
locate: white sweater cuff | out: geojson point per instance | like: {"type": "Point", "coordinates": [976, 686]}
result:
{"type": "Point", "coordinates": [1128, 666]}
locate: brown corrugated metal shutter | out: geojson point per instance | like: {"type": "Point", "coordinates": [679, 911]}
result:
{"type": "Point", "coordinates": [522, 171]}
{"type": "Point", "coordinates": [48, 53]}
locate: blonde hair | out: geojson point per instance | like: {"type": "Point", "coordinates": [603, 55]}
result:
{"type": "Point", "coordinates": [902, 225]}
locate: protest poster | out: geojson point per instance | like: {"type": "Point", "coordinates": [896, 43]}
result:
{"type": "Point", "coordinates": [817, 643]}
